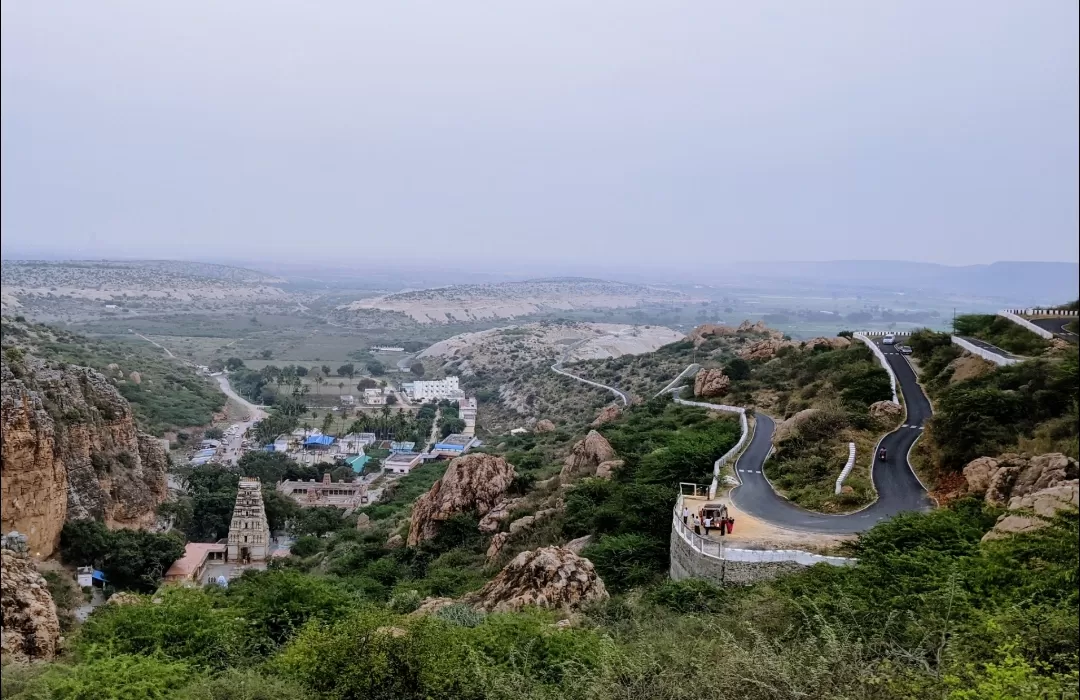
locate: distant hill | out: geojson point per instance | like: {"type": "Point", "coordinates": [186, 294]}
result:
{"type": "Point", "coordinates": [1021, 283]}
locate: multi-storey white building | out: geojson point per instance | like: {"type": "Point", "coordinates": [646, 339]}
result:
{"type": "Point", "coordinates": [435, 389]}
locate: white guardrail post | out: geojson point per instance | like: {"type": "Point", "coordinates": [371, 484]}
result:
{"type": "Point", "coordinates": [884, 363]}
{"type": "Point", "coordinates": [1026, 324]}
{"type": "Point", "coordinates": [847, 467]}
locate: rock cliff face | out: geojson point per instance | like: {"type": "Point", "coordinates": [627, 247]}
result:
{"type": "Point", "coordinates": [31, 630]}
{"type": "Point", "coordinates": [71, 451]}
{"type": "Point", "coordinates": [606, 415]}
{"type": "Point", "coordinates": [586, 455]}
{"type": "Point", "coordinates": [475, 482]}
{"type": "Point", "coordinates": [550, 577]}
{"type": "Point", "coordinates": [711, 382]}
{"type": "Point", "coordinates": [1032, 488]}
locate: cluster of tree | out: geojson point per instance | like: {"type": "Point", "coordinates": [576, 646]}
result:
{"type": "Point", "coordinates": [1001, 332]}
{"type": "Point", "coordinates": [450, 420]}
{"type": "Point", "coordinates": [388, 424]}
{"type": "Point", "coordinates": [130, 559]}
{"type": "Point", "coordinates": [662, 444]}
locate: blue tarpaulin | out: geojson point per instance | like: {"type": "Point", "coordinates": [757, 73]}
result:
{"type": "Point", "coordinates": [319, 441]}
{"type": "Point", "coordinates": [99, 575]}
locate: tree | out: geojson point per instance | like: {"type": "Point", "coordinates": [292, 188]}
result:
{"type": "Point", "coordinates": [280, 509]}
{"type": "Point", "coordinates": [347, 370]}
{"type": "Point", "coordinates": [340, 387]}
{"type": "Point", "coordinates": [391, 400]}
{"type": "Point", "coordinates": [319, 381]}
{"type": "Point", "coordinates": [233, 363]}
{"type": "Point", "coordinates": [737, 369]}
{"type": "Point", "coordinates": [316, 521]}
{"type": "Point", "coordinates": [326, 370]}
{"type": "Point", "coordinates": [417, 368]}
{"type": "Point", "coordinates": [366, 383]}
{"type": "Point", "coordinates": [301, 371]}
{"type": "Point", "coordinates": [266, 354]}
{"type": "Point", "coordinates": [327, 422]}
{"type": "Point", "coordinates": [213, 433]}
{"type": "Point", "coordinates": [376, 368]}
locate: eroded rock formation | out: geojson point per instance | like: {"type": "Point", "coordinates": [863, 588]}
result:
{"type": "Point", "coordinates": [550, 577]}
{"type": "Point", "coordinates": [835, 343]}
{"type": "Point", "coordinates": [71, 451]}
{"type": "Point", "coordinates": [885, 411]}
{"type": "Point", "coordinates": [1031, 488]}
{"type": "Point", "coordinates": [606, 415]}
{"type": "Point", "coordinates": [586, 455]}
{"type": "Point", "coordinates": [711, 382]}
{"type": "Point", "coordinates": [31, 630]}
{"type": "Point", "coordinates": [500, 512]}
{"type": "Point", "coordinates": [764, 349]}
{"type": "Point", "coordinates": [544, 426]}
{"type": "Point", "coordinates": [473, 483]}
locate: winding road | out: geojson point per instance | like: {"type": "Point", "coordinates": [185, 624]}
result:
{"type": "Point", "coordinates": [897, 486]}
{"type": "Point", "coordinates": [1056, 326]}
{"type": "Point", "coordinates": [557, 367]}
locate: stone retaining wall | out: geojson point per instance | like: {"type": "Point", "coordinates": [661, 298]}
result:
{"type": "Point", "coordinates": [689, 563]}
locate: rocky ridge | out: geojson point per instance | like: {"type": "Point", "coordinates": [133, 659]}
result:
{"type": "Point", "coordinates": [31, 628]}
{"type": "Point", "coordinates": [71, 451]}
{"type": "Point", "coordinates": [549, 577]}
{"type": "Point", "coordinates": [710, 383]}
{"type": "Point", "coordinates": [1032, 488]}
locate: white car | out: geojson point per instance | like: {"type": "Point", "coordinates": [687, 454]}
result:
{"type": "Point", "coordinates": [890, 339]}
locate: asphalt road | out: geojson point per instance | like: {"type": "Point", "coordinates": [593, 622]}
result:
{"type": "Point", "coordinates": [991, 348]}
{"type": "Point", "coordinates": [557, 367]}
{"type": "Point", "coordinates": [1057, 327]}
{"type": "Point", "coordinates": [897, 486]}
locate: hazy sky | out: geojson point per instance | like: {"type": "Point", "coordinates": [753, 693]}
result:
{"type": "Point", "coordinates": [628, 131]}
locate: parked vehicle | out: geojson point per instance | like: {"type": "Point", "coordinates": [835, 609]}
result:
{"type": "Point", "coordinates": [890, 339]}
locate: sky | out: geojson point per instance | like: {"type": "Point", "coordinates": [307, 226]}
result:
{"type": "Point", "coordinates": [488, 133]}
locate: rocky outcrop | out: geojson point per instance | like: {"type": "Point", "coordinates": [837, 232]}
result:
{"type": "Point", "coordinates": [473, 483]}
{"type": "Point", "coordinates": [606, 415]}
{"type": "Point", "coordinates": [835, 343]}
{"type": "Point", "coordinates": [1032, 488]}
{"type": "Point", "coordinates": [711, 382]}
{"type": "Point", "coordinates": [586, 455]}
{"type": "Point", "coordinates": [544, 426]}
{"type": "Point", "coordinates": [500, 512]}
{"type": "Point", "coordinates": [550, 577]}
{"type": "Point", "coordinates": [71, 451]}
{"type": "Point", "coordinates": [885, 411]}
{"type": "Point", "coordinates": [31, 629]}
{"type": "Point", "coordinates": [708, 330]}
{"type": "Point", "coordinates": [498, 541]}
{"type": "Point", "coordinates": [788, 428]}
{"type": "Point", "coordinates": [969, 366]}
{"type": "Point", "coordinates": [605, 470]}
{"type": "Point", "coordinates": [764, 349]}
{"type": "Point", "coordinates": [578, 546]}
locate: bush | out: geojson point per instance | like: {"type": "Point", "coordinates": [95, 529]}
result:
{"type": "Point", "coordinates": [688, 596]}
{"type": "Point", "coordinates": [306, 545]}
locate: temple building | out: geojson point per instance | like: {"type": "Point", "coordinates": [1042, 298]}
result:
{"type": "Point", "coordinates": [249, 533]}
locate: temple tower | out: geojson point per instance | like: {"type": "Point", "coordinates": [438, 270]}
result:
{"type": "Point", "coordinates": [249, 533]}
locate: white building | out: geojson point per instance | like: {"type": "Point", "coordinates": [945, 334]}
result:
{"type": "Point", "coordinates": [401, 462]}
{"type": "Point", "coordinates": [354, 443]}
{"type": "Point", "coordinates": [281, 444]}
{"type": "Point", "coordinates": [436, 389]}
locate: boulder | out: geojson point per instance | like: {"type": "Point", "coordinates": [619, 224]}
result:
{"type": "Point", "coordinates": [395, 542]}
{"type": "Point", "coordinates": [758, 328]}
{"type": "Point", "coordinates": [835, 343]}
{"type": "Point", "coordinates": [550, 577]}
{"type": "Point", "coordinates": [473, 483]}
{"type": "Point", "coordinates": [788, 428]}
{"type": "Point", "coordinates": [498, 541]}
{"type": "Point", "coordinates": [1000, 479]}
{"type": "Point", "coordinates": [363, 522]}
{"type": "Point", "coordinates": [1027, 513]}
{"type": "Point", "coordinates": [578, 546]}
{"type": "Point", "coordinates": [711, 382]}
{"type": "Point", "coordinates": [586, 455]}
{"type": "Point", "coordinates": [708, 330]}
{"type": "Point", "coordinates": [521, 524]}
{"type": "Point", "coordinates": [764, 349]}
{"type": "Point", "coordinates": [544, 426]}
{"type": "Point", "coordinates": [605, 470]}
{"type": "Point", "coordinates": [31, 629]}
{"type": "Point", "coordinates": [885, 411]}
{"type": "Point", "coordinates": [606, 415]}
{"type": "Point", "coordinates": [494, 517]}
{"type": "Point", "coordinates": [432, 605]}
{"type": "Point", "coordinates": [135, 378]}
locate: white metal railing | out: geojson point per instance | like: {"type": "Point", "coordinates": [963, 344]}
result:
{"type": "Point", "coordinates": [847, 467]}
{"type": "Point", "coordinates": [1041, 312]}
{"type": "Point", "coordinates": [1026, 324]}
{"type": "Point", "coordinates": [720, 551]}
{"type": "Point", "coordinates": [863, 337]}
{"type": "Point", "coordinates": [744, 428]}
{"type": "Point", "coordinates": [622, 397]}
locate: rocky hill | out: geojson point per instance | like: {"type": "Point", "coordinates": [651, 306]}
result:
{"type": "Point", "coordinates": [70, 451]}
{"type": "Point", "coordinates": [473, 302]}
{"type": "Point", "coordinates": [31, 626]}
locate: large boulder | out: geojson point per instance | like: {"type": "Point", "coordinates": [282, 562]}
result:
{"type": "Point", "coordinates": [834, 343]}
{"type": "Point", "coordinates": [885, 411]}
{"type": "Point", "coordinates": [608, 414]}
{"type": "Point", "coordinates": [544, 426]}
{"type": "Point", "coordinates": [788, 428]}
{"type": "Point", "coordinates": [473, 483]}
{"type": "Point", "coordinates": [494, 517]}
{"type": "Point", "coordinates": [586, 455]}
{"type": "Point", "coordinates": [711, 382]}
{"type": "Point", "coordinates": [605, 470]}
{"type": "Point", "coordinates": [764, 349]}
{"type": "Point", "coordinates": [1032, 488]}
{"type": "Point", "coordinates": [708, 330]}
{"type": "Point", "coordinates": [550, 577]}
{"type": "Point", "coordinates": [31, 629]}
{"type": "Point", "coordinates": [498, 541]}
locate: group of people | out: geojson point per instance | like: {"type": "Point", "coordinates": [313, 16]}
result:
{"type": "Point", "coordinates": [709, 519]}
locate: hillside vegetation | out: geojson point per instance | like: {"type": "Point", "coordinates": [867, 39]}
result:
{"type": "Point", "coordinates": [1001, 332]}
{"type": "Point", "coordinates": [1027, 407]}
{"type": "Point", "coordinates": [164, 394]}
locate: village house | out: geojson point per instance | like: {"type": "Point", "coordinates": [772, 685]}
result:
{"type": "Point", "coordinates": [454, 445]}
{"type": "Point", "coordinates": [401, 462]}
{"type": "Point", "coordinates": [190, 568]}
{"type": "Point", "coordinates": [374, 397]}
